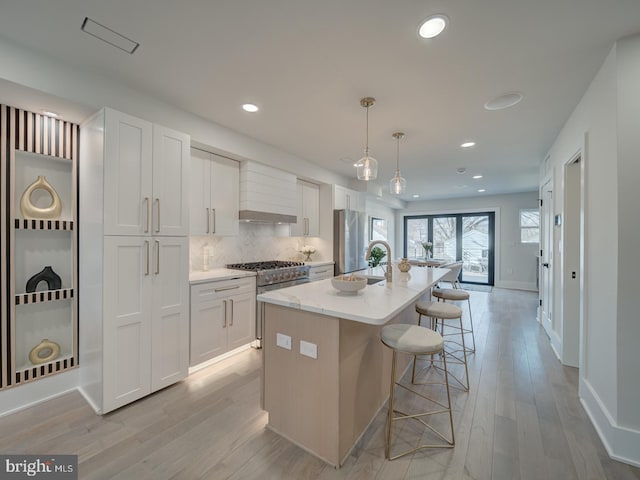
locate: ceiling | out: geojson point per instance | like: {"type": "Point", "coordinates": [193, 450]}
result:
{"type": "Point", "coordinates": [306, 64]}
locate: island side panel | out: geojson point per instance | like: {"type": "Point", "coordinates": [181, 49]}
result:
{"type": "Point", "coordinates": [365, 375]}
{"type": "Point", "coordinates": [301, 393]}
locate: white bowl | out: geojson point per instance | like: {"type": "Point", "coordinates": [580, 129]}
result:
{"type": "Point", "coordinates": [350, 284]}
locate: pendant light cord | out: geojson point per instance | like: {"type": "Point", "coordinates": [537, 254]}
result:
{"type": "Point", "coordinates": [366, 148]}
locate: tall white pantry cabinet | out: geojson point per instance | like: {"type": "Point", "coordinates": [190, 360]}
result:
{"type": "Point", "coordinates": [134, 258]}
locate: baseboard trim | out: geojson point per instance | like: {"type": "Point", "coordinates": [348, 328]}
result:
{"type": "Point", "coordinates": [21, 397]}
{"type": "Point", "coordinates": [622, 444]}
{"type": "Point", "coordinates": [531, 287]}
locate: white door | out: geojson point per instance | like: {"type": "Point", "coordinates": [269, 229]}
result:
{"type": "Point", "coordinates": [200, 193]}
{"type": "Point", "coordinates": [241, 312]}
{"type": "Point", "coordinates": [171, 162]}
{"type": "Point", "coordinates": [127, 174]}
{"type": "Point", "coordinates": [127, 320]}
{"type": "Point", "coordinates": [208, 330]}
{"type": "Point", "coordinates": [170, 311]}
{"type": "Point", "coordinates": [225, 196]}
{"type": "Point", "coordinates": [546, 259]}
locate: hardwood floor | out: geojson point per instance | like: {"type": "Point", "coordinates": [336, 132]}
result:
{"type": "Point", "coordinates": [521, 419]}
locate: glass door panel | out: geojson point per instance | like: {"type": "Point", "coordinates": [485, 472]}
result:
{"type": "Point", "coordinates": [445, 245]}
{"type": "Point", "coordinates": [475, 249]}
{"type": "Point", "coordinates": [417, 232]}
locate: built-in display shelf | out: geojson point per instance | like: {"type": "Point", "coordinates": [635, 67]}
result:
{"type": "Point", "coordinates": [30, 371]}
{"type": "Point", "coordinates": [44, 296]}
{"type": "Point", "coordinates": [33, 224]}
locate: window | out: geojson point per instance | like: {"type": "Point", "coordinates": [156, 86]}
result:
{"type": "Point", "coordinates": [529, 225]}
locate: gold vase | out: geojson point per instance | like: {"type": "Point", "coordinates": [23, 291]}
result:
{"type": "Point", "coordinates": [29, 210]}
{"type": "Point", "coordinates": [404, 265]}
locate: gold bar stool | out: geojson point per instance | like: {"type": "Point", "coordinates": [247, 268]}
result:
{"type": "Point", "coordinates": [446, 311]}
{"type": "Point", "coordinates": [457, 294]}
{"type": "Point", "coordinates": [415, 340]}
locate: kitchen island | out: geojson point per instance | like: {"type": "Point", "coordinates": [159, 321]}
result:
{"type": "Point", "coordinates": [326, 373]}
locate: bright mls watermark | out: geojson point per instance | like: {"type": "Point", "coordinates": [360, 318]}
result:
{"type": "Point", "coordinates": [52, 467]}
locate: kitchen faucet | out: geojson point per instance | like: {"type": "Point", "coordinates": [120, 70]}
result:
{"type": "Point", "coordinates": [387, 274]}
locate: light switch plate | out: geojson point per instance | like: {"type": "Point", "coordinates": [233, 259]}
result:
{"type": "Point", "coordinates": [308, 349]}
{"type": "Point", "coordinates": [283, 341]}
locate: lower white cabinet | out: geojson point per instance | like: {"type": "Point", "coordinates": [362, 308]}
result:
{"type": "Point", "coordinates": [145, 322]}
{"type": "Point", "coordinates": [223, 316]}
{"type": "Point", "coordinates": [320, 272]}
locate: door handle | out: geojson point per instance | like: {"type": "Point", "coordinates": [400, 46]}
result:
{"type": "Point", "coordinates": [208, 226]}
{"type": "Point", "coordinates": [213, 214]}
{"type": "Point", "coordinates": [158, 224]}
{"type": "Point", "coordinates": [146, 199]}
{"type": "Point", "coordinates": [545, 265]}
{"type": "Point", "coordinates": [224, 306]}
{"type": "Point", "coordinates": [146, 273]}
{"type": "Point", "coordinates": [231, 324]}
{"type": "Point", "coordinates": [157, 257]}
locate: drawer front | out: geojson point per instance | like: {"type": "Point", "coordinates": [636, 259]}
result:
{"type": "Point", "coordinates": [204, 292]}
{"type": "Point", "coordinates": [320, 273]}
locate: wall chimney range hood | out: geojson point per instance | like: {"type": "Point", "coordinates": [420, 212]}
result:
{"type": "Point", "coordinates": [267, 195]}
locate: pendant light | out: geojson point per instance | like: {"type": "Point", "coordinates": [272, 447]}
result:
{"type": "Point", "coordinates": [397, 184]}
{"type": "Point", "coordinates": [367, 166]}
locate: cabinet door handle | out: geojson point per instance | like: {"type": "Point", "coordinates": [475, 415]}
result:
{"type": "Point", "coordinates": [306, 222]}
{"type": "Point", "coordinates": [213, 214]}
{"type": "Point", "coordinates": [231, 324]}
{"type": "Point", "coordinates": [224, 306]}
{"type": "Point", "coordinates": [146, 199]}
{"type": "Point", "coordinates": [158, 207]}
{"type": "Point", "coordinates": [224, 289]}
{"type": "Point", "coordinates": [146, 273]}
{"type": "Point", "coordinates": [157, 257]}
{"type": "Point", "coordinates": [207, 209]}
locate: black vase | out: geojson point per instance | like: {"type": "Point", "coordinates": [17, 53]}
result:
{"type": "Point", "coordinates": [47, 275]}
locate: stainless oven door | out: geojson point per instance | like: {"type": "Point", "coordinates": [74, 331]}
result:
{"type": "Point", "coordinates": [260, 305]}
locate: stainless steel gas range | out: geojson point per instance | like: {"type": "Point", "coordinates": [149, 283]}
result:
{"type": "Point", "coordinates": [272, 275]}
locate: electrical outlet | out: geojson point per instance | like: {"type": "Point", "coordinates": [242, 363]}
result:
{"type": "Point", "coordinates": [308, 349]}
{"type": "Point", "coordinates": [283, 341]}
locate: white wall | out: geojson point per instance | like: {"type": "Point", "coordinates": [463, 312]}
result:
{"type": "Point", "coordinates": [379, 210]}
{"type": "Point", "coordinates": [26, 67]}
{"type": "Point", "coordinates": [604, 128]}
{"type": "Point", "coordinates": [515, 262]}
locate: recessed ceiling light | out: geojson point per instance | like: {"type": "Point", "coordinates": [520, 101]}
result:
{"type": "Point", "coordinates": [476, 177]}
{"type": "Point", "coordinates": [49, 113]}
{"type": "Point", "coordinates": [109, 36]}
{"type": "Point", "coordinates": [504, 101]}
{"type": "Point", "coordinates": [433, 26]}
{"type": "Point", "coordinates": [250, 107]}
{"type": "Point", "coordinates": [461, 170]}
{"type": "Point", "coordinates": [480, 190]}
{"type": "Point", "coordinates": [415, 195]}
{"type": "Point", "coordinates": [468, 144]}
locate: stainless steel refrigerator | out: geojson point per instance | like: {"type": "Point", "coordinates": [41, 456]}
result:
{"type": "Point", "coordinates": [349, 247]}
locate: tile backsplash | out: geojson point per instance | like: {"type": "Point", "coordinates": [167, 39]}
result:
{"type": "Point", "coordinates": [255, 242]}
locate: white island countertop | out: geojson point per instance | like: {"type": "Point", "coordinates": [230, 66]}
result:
{"type": "Point", "coordinates": [375, 304]}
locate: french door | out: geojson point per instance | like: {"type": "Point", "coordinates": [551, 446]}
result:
{"type": "Point", "coordinates": [466, 237]}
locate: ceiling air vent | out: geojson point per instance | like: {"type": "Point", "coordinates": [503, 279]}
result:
{"type": "Point", "coordinates": [109, 36]}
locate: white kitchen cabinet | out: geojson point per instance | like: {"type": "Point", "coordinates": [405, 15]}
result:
{"type": "Point", "coordinates": [222, 317]}
{"type": "Point", "coordinates": [214, 194]}
{"type": "Point", "coordinates": [146, 320]}
{"type": "Point", "coordinates": [347, 199]}
{"type": "Point", "coordinates": [146, 177]}
{"type": "Point", "coordinates": [134, 307]}
{"type": "Point", "coordinates": [308, 224]}
{"type": "Point", "coordinates": [320, 272]}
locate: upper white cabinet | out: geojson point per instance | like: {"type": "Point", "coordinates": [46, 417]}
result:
{"type": "Point", "coordinates": [146, 177]}
{"type": "Point", "coordinates": [214, 194]}
{"type": "Point", "coordinates": [308, 223]}
{"type": "Point", "coordinates": [347, 199]}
